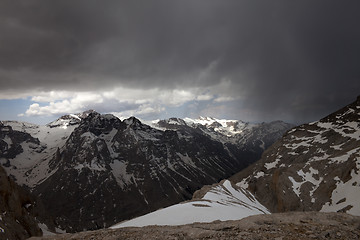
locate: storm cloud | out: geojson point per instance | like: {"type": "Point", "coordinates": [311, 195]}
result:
{"type": "Point", "coordinates": [258, 60]}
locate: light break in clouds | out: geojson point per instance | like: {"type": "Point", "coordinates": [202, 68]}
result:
{"type": "Point", "coordinates": [124, 102]}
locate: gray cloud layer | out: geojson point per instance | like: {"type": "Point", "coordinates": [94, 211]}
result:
{"type": "Point", "coordinates": [282, 57]}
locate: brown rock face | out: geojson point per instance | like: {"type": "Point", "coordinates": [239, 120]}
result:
{"type": "Point", "coordinates": [16, 219]}
{"type": "Point", "coordinates": [314, 167]}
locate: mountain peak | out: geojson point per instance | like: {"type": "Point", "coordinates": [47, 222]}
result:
{"type": "Point", "coordinates": [132, 121]}
{"type": "Point", "coordinates": [86, 113]}
{"type": "Point", "coordinates": [71, 119]}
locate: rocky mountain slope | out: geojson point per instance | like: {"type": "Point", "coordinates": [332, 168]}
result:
{"type": "Point", "coordinates": [28, 148]}
{"type": "Point", "coordinates": [285, 226]}
{"type": "Point", "coordinates": [17, 220]}
{"type": "Point", "coordinates": [94, 170]}
{"type": "Point", "coordinates": [314, 167]}
{"type": "Point", "coordinates": [21, 214]}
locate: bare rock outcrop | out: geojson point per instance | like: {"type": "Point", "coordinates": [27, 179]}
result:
{"type": "Point", "coordinates": [16, 207]}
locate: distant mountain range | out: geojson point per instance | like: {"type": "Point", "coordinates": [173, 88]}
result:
{"type": "Point", "coordinates": [92, 170]}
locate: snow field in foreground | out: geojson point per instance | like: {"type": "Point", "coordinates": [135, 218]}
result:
{"type": "Point", "coordinates": [222, 202]}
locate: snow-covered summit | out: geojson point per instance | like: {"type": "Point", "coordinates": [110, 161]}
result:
{"type": "Point", "coordinates": [224, 127]}
{"type": "Point", "coordinates": [249, 135]}
{"type": "Point", "coordinates": [209, 121]}
{"type": "Point", "coordinates": [70, 119]}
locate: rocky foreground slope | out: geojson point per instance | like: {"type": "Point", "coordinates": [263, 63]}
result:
{"type": "Point", "coordinates": [21, 213]}
{"type": "Point", "coordinates": [284, 226]}
{"type": "Point", "coordinates": [313, 167]}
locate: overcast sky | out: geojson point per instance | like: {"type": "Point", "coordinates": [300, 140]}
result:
{"type": "Point", "coordinates": [252, 60]}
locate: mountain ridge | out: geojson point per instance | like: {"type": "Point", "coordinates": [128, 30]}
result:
{"type": "Point", "coordinates": [125, 160]}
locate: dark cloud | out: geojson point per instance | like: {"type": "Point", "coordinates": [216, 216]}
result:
{"type": "Point", "coordinates": [296, 59]}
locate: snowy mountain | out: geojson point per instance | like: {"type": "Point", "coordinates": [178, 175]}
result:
{"type": "Point", "coordinates": [17, 218]}
{"type": "Point", "coordinates": [28, 148]}
{"type": "Point", "coordinates": [69, 120]}
{"type": "Point", "coordinates": [222, 202]}
{"type": "Point", "coordinates": [314, 167]}
{"type": "Point", "coordinates": [224, 127]}
{"type": "Point", "coordinates": [92, 170]}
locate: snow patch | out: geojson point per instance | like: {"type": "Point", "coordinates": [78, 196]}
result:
{"type": "Point", "coordinates": [119, 172]}
{"type": "Point", "coordinates": [75, 116]}
{"type": "Point", "coordinates": [295, 186]}
{"type": "Point", "coordinates": [45, 230]}
{"type": "Point", "coordinates": [306, 177]}
{"type": "Point", "coordinates": [349, 129]}
{"type": "Point", "coordinates": [345, 157]}
{"type": "Point", "coordinates": [346, 194]}
{"type": "Point", "coordinates": [337, 147]}
{"type": "Point", "coordinates": [186, 159]}
{"type": "Point", "coordinates": [8, 140]}
{"type": "Point", "coordinates": [226, 127]}
{"type": "Point", "coordinates": [243, 184]}
{"type": "Point", "coordinates": [272, 164]}
{"type": "Point", "coordinates": [222, 202]}
{"type": "Point", "coordinates": [320, 139]}
{"type": "Point", "coordinates": [259, 174]}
